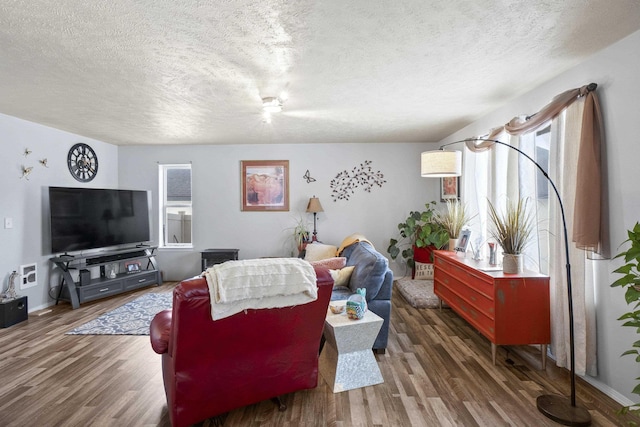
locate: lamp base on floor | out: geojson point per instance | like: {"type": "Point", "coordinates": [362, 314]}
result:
{"type": "Point", "coordinates": [559, 409]}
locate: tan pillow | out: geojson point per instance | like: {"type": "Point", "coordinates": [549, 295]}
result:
{"type": "Point", "coordinates": [334, 263]}
{"type": "Point", "coordinates": [341, 277]}
{"type": "Point", "coordinates": [423, 271]}
{"type": "Point", "coordinates": [317, 251]}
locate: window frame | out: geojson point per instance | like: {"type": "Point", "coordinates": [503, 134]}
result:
{"type": "Point", "coordinates": [164, 205]}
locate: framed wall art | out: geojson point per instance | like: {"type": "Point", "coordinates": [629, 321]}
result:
{"type": "Point", "coordinates": [265, 185]}
{"type": "Point", "coordinates": [450, 188]}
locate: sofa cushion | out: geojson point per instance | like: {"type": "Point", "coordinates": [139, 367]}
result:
{"type": "Point", "coordinates": [317, 251]}
{"type": "Point", "coordinates": [341, 277]}
{"type": "Point", "coordinates": [370, 268]}
{"type": "Point", "coordinates": [334, 263]}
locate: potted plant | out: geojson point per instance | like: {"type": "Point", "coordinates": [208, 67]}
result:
{"type": "Point", "coordinates": [420, 234]}
{"type": "Point", "coordinates": [301, 235]}
{"type": "Point", "coordinates": [453, 220]}
{"type": "Point", "coordinates": [630, 281]}
{"type": "Point", "coordinates": [512, 230]}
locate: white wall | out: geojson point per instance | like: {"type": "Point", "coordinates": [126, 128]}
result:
{"type": "Point", "coordinates": [615, 70]}
{"type": "Point", "coordinates": [218, 221]}
{"type": "Point", "coordinates": [25, 200]}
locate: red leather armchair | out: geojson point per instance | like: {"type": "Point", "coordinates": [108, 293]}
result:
{"type": "Point", "coordinates": [211, 367]}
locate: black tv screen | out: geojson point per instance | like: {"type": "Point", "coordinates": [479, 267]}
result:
{"type": "Point", "coordinates": [90, 218]}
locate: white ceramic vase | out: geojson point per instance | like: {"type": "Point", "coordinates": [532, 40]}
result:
{"type": "Point", "coordinates": [452, 244]}
{"type": "Point", "coordinates": [512, 264]}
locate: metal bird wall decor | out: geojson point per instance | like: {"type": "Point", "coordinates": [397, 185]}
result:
{"type": "Point", "coordinates": [345, 182]}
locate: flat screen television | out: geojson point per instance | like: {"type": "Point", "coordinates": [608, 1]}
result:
{"type": "Point", "coordinates": [91, 218]}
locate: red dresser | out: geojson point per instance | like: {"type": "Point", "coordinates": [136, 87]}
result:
{"type": "Point", "coordinates": [508, 309]}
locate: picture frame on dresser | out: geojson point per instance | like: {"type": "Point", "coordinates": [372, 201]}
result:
{"type": "Point", "coordinates": [463, 241]}
{"type": "Point", "coordinates": [265, 185]}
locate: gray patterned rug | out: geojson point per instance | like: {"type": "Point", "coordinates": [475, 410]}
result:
{"type": "Point", "coordinates": [133, 318]}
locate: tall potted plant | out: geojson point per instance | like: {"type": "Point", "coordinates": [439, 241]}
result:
{"type": "Point", "coordinates": [630, 281]}
{"type": "Point", "coordinates": [453, 220]}
{"type": "Point", "coordinates": [301, 235]}
{"type": "Point", "coordinates": [513, 231]}
{"type": "Point", "coordinates": [420, 234]}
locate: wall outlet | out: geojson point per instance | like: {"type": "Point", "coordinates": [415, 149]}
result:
{"type": "Point", "coordinates": [29, 274]}
{"type": "Point", "coordinates": [8, 223]}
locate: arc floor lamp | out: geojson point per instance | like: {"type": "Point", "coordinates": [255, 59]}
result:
{"type": "Point", "coordinates": [447, 163]}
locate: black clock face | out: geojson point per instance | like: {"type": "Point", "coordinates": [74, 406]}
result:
{"type": "Point", "coordinates": [82, 162]}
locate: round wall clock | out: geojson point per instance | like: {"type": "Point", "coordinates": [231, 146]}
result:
{"type": "Point", "coordinates": [82, 162]}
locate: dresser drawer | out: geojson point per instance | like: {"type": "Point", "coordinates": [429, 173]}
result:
{"type": "Point", "coordinates": [479, 282]}
{"type": "Point", "coordinates": [469, 293]}
{"type": "Point", "coordinates": [483, 323]}
{"type": "Point", "coordinates": [99, 290]}
{"type": "Point", "coordinates": [140, 280]}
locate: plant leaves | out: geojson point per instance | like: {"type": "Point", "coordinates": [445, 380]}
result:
{"type": "Point", "coordinates": [623, 281]}
{"type": "Point", "coordinates": [631, 295]}
{"type": "Point", "coordinates": [625, 269]}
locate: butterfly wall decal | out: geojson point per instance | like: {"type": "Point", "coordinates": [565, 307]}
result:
{"type": "Point", "coordinates": [308, 177]}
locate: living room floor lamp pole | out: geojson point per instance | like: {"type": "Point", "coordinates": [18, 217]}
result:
{"type": "Point", "coordinates": [314, 207]}
{"type": "Point", "coordinates": [446, 163]}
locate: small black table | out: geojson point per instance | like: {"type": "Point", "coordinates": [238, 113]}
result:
{"type": "Point", "coordinates": [217, 256]}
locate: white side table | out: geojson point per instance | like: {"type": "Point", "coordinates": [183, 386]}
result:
{"type": "Point", "coordinates": [347, 361]}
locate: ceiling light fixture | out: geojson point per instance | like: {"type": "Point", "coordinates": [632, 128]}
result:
{"type": "Point", "coordinates": [271, 104]}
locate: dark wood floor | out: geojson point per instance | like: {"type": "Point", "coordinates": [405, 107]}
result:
{"type": "Point", "coordinates": [437, 372]}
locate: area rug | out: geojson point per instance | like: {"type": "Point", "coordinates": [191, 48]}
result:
{"type": "Point", "coordinates": [133, 318]}
{"type": "Point", "coordinates": [418, 293]}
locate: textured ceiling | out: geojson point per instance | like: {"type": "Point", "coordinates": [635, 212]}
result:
{"type": "Point", "coordinates": [190, 71]}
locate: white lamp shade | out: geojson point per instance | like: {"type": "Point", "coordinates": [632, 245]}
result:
{"type": "Point", "coordinates": [440, 164]}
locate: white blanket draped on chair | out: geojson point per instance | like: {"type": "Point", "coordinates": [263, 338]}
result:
{"type": "Point", "coordinates": [235, 286]}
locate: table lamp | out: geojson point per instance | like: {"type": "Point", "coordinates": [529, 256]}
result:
{"type": "Point", "coordinates": [314, 207]}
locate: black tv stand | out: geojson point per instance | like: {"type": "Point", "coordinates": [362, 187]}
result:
{"type": "Point", "coordinates": [88, 288]}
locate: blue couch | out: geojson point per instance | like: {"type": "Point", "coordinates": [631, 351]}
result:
{"type": "Point", "coordinates": [372, 273]}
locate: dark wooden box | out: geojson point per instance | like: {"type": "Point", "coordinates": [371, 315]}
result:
{"type": "Point", "coordinates": [13, 311]}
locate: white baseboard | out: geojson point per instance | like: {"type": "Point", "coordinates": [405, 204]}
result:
{"type": "Point", "coordinates": [621, 399]}
{"type": "Point", "coordinates": [613, 394]}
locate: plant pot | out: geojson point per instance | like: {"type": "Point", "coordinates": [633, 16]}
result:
{"type": "Point", "coordinates": [452, 244]}
{"type": "Point", "coordinates": [513, 264]}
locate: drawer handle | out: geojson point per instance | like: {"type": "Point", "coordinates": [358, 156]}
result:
{"type": "Point", "coordinates": [103, 290]}
{"type": "Point", "coordinates": [142, 280]}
